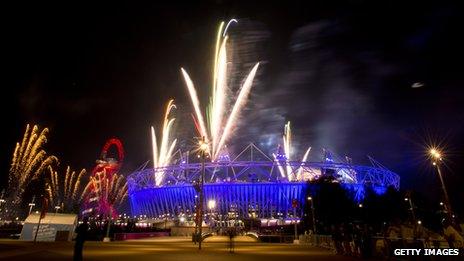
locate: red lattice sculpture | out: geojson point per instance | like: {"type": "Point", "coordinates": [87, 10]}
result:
{"type": "Point", "coordinates": [102, 192]}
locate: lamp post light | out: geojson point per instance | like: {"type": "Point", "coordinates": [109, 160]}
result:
{"type": "Point", "coordinates": [411, 207]}
{"type": "Point", "coordinates": [310, 199]}
{"type": "Point", "coordinates": [437, 158]}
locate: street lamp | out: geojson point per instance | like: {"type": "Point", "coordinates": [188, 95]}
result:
{"type": "Point", "coordinates": [107, 237]}
{"type": "Point", "coordinates": [310, 199]}
{"type": "Point", "coordinates": [203, 145]}
{"type": "Point", "coordinates": [409, 200]}
{"type": "Point", "coordinates": [411, 206]}
{"type": "Point", "coordinates": [437, 158]}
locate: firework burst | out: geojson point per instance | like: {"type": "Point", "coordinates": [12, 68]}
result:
{"type": "Point", "coordinates": [29, 160]}
{"type": "Point", "coordinates": [284, 159]}
{"type": "Point", "coordinates": [108, 191]}
{"type": "Point", "coordinates": [64, 189]}
{"type": "Point", "coordinates": [220, 126]}
{"type": "Point", "coordinates": [162, 154]}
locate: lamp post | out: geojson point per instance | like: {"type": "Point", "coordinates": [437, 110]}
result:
{"type": "Point", "coordinates": [196, 219]}
{"type": "Point", "coordinates": [107, 236]}
{"type": "Point", "coordinates": [310, 199]}
{"type": "Point", "coordinates": [409, 200]}
{"type": "Point", "coordinates": [411, 206]}
{"type": "Point", "coordinates": [294, 206]}
{"type": "Point", "coordinates": [203, 149]}
{"type": "Point", "coordinates": [437, 158]}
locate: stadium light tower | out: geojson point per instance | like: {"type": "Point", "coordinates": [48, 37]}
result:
{"type": "Point", "coordinates": [436, 156]}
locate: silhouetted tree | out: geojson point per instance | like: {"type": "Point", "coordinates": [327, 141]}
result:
{"type": "Point", "coordinates": [332, 204]}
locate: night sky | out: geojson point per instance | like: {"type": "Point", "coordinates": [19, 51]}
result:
{"type": "Point", "coordinates": [341, 72]}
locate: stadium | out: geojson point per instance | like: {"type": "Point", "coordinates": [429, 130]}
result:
{"type": "Point", "coordinates": [252, 185]}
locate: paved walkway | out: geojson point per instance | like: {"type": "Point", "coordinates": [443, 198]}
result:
{"type": "Point", "coordinates": [163, 249]}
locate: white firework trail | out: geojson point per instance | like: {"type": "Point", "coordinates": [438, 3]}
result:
{"type": "Point", "coordinates": [220, 127]}
{"type": "Point", "coordinates": [288, 151]}
{"type": "Point", "coordinates": [162, 155]}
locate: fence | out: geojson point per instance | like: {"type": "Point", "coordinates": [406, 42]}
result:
{"type": "Point", "coordinates": [317, 240]}
{"type": "Point", "coordinates": [374, 246]}
{"type": "Point", "coordinates": [131, 236]}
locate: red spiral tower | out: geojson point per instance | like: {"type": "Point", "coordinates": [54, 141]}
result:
{"type": "Point", "coordinates": [106, 167]}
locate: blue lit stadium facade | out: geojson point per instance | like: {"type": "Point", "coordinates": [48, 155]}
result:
{"type": "Point", "coordinates": [262, 189]}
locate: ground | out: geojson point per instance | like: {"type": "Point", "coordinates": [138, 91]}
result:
{"type": "Point", "coordinates": [165, 249]}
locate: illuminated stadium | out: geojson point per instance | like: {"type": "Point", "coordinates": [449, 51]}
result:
{"type": "Point", "coordinates": [251, 185]}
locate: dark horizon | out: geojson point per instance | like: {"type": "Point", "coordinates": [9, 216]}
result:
{"type": "Point", "coordinates": [342, 73]}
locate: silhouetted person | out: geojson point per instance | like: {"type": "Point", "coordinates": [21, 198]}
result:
{"type": "Point", "coordinates": [81, 232]}
{"type": "Point", "coordinates": [366, 242]}
{"type": "Point", "coordinates": [337, 239]}
{"type": "Point", "coordinates": [231, 240]}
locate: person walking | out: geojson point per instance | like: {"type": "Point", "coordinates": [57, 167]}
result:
{"type": "Point", "coordinates": [81, 232]}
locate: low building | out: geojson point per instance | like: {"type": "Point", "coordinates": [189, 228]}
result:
{"type": "Point", "coordinates": [53, 227]}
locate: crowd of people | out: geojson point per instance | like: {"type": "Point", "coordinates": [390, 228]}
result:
{"type": "Point", "coordinates": [352, 239]}
{"type": "Point", "coordinates": [360, 240]}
